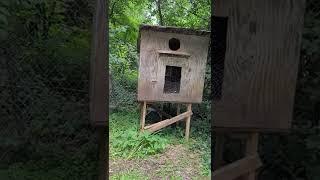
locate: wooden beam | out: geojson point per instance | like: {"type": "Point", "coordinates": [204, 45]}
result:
{"type": "Point", "coordinates": [178, 112]}
{"type": "Point", "coordinates": [238, 168]}
{"type": "Point", "coordinates": [188, 122]}
{"type": "Point", "coordinates": [218, 151]}
{"type": "Point", "coordinates": [252, 148]}
{"type": "Point", "coordinates": [143, 115]}
{"type": "Point", "coordinates": [167, 122]}
{"type": "Point", "coordinates": [98, 67]}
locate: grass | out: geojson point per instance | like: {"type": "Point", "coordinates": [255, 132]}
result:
{"type": "Point", "coordinates": [127, 146]}
{"type": "Point", "coordinates": [130, 175]}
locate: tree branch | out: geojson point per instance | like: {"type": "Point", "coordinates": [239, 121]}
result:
{"type": "Point", "coordinates": [159, 12]}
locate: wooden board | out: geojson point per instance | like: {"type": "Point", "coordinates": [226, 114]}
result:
{"type": "Point", "coordinates": [167, 122]}
{"type": "Point", "coordinates": [238, 168]}
{"type": "Point", "coordinates": [98, 68]}
{"type": "Point", "coordinates": [155, 55]}
{"type": "Point", "coordinates": [261, 63]}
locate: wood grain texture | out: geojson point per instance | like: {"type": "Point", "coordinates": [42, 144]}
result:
{"type": "Point", "coordinates": [252, 142]}
{"type": "Point", "coordinates": [238, 168]}
{"type": "Point", "coordinates": [218, 151]}
{"type": "Point", "coordinates": [155, 55]}
{"type": "Point", "coordinates": [188, 120]}
{"type": "Point", "coordinates": [261, 63]}
{"type": "Point", "coordinates": [159, 125]}
{"type": "Point", "coordinates": [98, 67]}
{"type": "Point", "coordinates": [143, 115]}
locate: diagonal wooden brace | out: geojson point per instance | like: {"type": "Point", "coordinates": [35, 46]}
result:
{"type": "Point", "coordinates": [238, 168]}
{"type": "Point", "coordinates": [167, 122]}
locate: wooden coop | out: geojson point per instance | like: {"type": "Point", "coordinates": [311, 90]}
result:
{"type": "Point", "coordinates": [256, 51]}
{"type": "Point", "coordinates": [171, 69]}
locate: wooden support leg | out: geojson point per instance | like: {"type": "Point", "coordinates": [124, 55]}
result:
{"type": "Point", "coordinates": [178, 112]}
{"type": "Point", "coordinates": [218, 153]}
{"type": "Point", "coordinates": [188, 122]}
{"type": "Point", "coordinates": [161, 108]}
{"type": "Point", "coordinates": [251, 149]}
{"type": "Point", "coordinates": [143, 115]}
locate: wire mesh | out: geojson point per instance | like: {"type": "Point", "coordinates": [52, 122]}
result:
{"type": "Point", "coordinates": [44, 84]}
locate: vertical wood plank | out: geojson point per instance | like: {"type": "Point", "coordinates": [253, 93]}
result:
{"type": "Point", "coordinates": [143, 115]}
{"type": "Point", "coordinates": [98, 67]}
{"type": "Point", "coordinates": [188, 122]}
{"type": "Point", "coordinates": [99, 83]}
{"type": "Point", "coordinates": [102, 135]}
{"type": "Point", "coordinates": [178, 112]}
{"type": "Point", "coordinates": [161, 107]}
{"type": "Point", "coordinates": [218, 153]}
{"type": "Point", "coordinates": [251, 149]}
{"type": "Point", "coordinates": [261, 63]}
{"type": "Point", "coordinates": [178, 109]}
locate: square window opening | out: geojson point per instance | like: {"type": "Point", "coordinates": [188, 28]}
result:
{"type": "Point", "coordinates": [172, 79]}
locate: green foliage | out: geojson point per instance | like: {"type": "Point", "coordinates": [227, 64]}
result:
{"type": "Point", "coordinates": [184, 13]}
{"type": "Point", "coordinates": [125, 18]}
{"type": "Point", "coordinates": [134, 144]}
{"type": "Point", "coordinates": [129, 176]}
{"type": "Point", "coordinates": [67, 168]}
{"type": "Point", "coordinates": [126, 140]}
{"type": "Point", "coordinates": [44, 95]}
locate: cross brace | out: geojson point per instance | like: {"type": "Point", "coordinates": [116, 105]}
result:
{"type": "Point", "coordinates": [164, 123]}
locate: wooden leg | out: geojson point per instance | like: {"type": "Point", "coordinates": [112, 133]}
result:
{"type": "Point", "coordinates": [251, 149]}
{"type": "Point", "coordinates": [143, 115]}
{"type": "Point", "coordinates": [188, 122]}
{"type": "Point", "coordinates": [218, 153]}
{"type": "Point", "coordinates": [178, 112]}
{"type": "Point", "coordinates": [161, 108]}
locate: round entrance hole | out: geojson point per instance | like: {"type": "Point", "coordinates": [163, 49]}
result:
{"type": "Point", "coordinates": [174, 44]}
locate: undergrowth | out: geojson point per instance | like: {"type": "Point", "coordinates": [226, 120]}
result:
{"type": "Point", "coordinates": [126, 141]}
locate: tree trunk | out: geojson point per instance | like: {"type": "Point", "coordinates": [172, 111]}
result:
{"type": "Point", "coordinates": [159, 12]}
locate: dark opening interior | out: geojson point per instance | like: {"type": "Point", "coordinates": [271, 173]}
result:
{"type": "Point", "coordinates": [174, 44]}
{"type": "Point", "coordinates": [172, 79]}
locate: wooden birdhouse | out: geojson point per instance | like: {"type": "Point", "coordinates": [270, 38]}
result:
{"type": "Point", "coordinates": [172, 64]}
{"type": "Point", "coordinates": [255, 77]}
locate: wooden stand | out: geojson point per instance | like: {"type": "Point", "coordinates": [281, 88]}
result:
{"type": "Point", "coordinates": [243, 169]}
{"type": "Point", "coordinates": [164, 123]}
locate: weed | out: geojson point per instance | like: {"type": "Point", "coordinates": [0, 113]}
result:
{"type": "Point", "coordinates": [128, 142]}
{"type": "Point", "coordinates": [130, 175]}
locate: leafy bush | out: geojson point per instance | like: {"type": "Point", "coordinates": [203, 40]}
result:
{"type": "Point", "coordinates": [126, 140]}
{"type": "Point", "coordinates": [131, 143]}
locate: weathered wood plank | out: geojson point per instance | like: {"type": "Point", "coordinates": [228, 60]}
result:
{"type": "Point", "coordinates": [188, 122]}
{"type": "Point", "coordinates": [143, 114]}
{"type": "Point", "coordinates": [98, 67]}
{"type": "Point", "coordinates": [261, 63]}
{"type": "Point", "coordinates": [238, 168]}
{"type": "Point", "coordinates": [218, 151]}
{"type": "Point", "coordinates": [251, 149]}
{"type": "Point", "coordinates": [155, 55]}
{"type": "Point", "coordinates": [167, 122]}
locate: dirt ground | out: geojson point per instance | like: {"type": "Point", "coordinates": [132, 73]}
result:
{"type": "Point", "coordinates": [177, 162]}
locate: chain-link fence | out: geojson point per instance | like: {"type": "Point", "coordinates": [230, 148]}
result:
{"type": "Point", "coordinates": [44, 91]}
